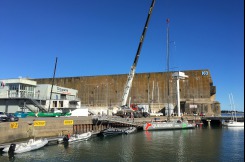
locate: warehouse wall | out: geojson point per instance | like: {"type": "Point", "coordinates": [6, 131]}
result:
{"type": "Point", "coordinates": [147, 88]}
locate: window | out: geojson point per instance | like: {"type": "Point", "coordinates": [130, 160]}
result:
{"type": "Point", "coordinates": [60, 103]}
{"type": "Point", "coordinates": [54, 103]}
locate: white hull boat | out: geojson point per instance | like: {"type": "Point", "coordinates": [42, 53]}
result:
{"type": "Point", "coordinates": [26, 146]}
{"type": "Point", "coordinates": [130, 130]}
{"type": "Point", "coordinates": [169, 125]}
{"type": "Point", "coordinates": [232, 123]}
{"type": "Point", "coordinates": [75, 137]}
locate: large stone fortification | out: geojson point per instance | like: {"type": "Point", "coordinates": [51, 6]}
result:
{"type": "Point", "coordinates": [197, 92]}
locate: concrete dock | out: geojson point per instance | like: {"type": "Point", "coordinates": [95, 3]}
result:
{"type": "Point", "coordinates": [53, 127]}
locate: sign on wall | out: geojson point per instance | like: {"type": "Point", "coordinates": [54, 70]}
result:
{"type": "Point", "coordinates": [14, 125]}
{"type": "Point", "coordinates": [39, 123]}
{"type": "Point", "coordinates": [193, 106]}
{"type": "Point", "coordinates": [68, 122]}
{"type": "Point", "coordinates": [204, 73]}
{"type": "Point", "coordinates": [63, 90]}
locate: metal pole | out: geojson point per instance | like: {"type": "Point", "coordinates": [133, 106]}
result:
{"type": "Point", "coordinates": [158, 96]}
{"type": "Point", "coordinates": [178, 97]}
{"type": "Point", "coordinates": [168, 66]}
{"type": "Point", "coordinates": [97, 95]}
{"type": "Point", "coordinates": [52, 84]}
{"type": "Point", "coordinates": [152, 95]}
{"type": "Point", "coordinates": [148, 93]}
{"type": "Point", "coordinates": [107, 94]}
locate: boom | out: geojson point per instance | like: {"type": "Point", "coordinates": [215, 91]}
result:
{"type": "Point", "coordinates": [133, 67]}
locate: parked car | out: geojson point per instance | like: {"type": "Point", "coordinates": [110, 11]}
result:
{"type": "Point", "coordinates": [194, 113]}
{"type": "Point", "coordinates": [8, 117]}
{"type": "Point", "coordinates": [202, 114]}
{"type": "Point", "coordinates": [146, 114]}
{"type": "Point", "coordinates": [11, 117]}
{"type": "Point", "coordinates": [3, 117]}
{"type": "Point", "coordinates": [21, 114]}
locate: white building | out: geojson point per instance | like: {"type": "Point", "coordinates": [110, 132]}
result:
{"type": "Point", "coordinates": [25, 95]}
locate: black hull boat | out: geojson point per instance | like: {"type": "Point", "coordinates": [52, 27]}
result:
{"type": "Point", "coordinates": [112, 131]}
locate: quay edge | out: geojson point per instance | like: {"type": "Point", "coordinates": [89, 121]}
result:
{"type": "Point", "coordinates": [26, 129]}
{"type": "Point", "coordinates": [55, 127]}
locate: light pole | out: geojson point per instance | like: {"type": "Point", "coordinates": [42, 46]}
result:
{"type": "Point", "coordinates": [148, 93]}
{"type": "Point", "coordinates": [97, 95]}
{"type": "Point", "coordinates": [107, 94]}
{"type": "Point", "coordinates": [178, 75]}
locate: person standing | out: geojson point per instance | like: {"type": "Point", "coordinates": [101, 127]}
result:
{"type": "Point", "coordinates": [132, 115]}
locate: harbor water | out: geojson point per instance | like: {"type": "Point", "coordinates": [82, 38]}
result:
{"type": "Point", "coordinates": [194, 145]}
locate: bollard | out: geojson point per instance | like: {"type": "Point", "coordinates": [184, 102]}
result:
{"type": "Point", "coordinates": [209, 121]}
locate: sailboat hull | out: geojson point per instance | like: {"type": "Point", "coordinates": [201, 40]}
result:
{"type": "Point", "coordinates": [172, 125]}
{"type": "Point", "coordinates": [233, 124]}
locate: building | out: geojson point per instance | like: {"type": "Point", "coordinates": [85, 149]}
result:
{"type": "Point", "coordinates": [197, 92]}
{"type": "Point", "coordinates": [26, 95]}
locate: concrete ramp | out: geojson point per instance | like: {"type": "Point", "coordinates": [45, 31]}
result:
{"type": "Point", "coordinates": [113, 119]}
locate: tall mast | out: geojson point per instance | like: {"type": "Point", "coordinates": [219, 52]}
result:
{"type": "Point", "coordinates": [168, 64]}
{"type": "Point", "coordinates": [168, 45]}
{"type": "Point", "coordinates": [233, 108]}
{"type": "Point", "coordinates": [133, 67]}
{"type": "Point", "coordinates": [52, 84]}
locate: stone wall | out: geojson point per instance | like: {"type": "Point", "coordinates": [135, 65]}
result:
{"type": "Point", "coordinates": [147, 88]}
{"type": "Point", "coordinates": [53, 128]}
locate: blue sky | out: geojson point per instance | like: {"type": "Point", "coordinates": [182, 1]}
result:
{"type": "Point", "coordinates": [100, 37]}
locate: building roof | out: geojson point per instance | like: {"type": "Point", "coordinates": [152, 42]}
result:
{"type": "Point", "coordinates": [19, 81]}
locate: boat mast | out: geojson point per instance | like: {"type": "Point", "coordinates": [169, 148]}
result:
{"type": "Point", "coordinates": [232, 117]}
{"type": "Point", "coordinates": [233, 105]}
{"type": "Point", "coordinates": [133, 67]}
{"type": "Point", "coordinates": [168, 66]}
{"type": "Point", "coordinates": [52, 84]}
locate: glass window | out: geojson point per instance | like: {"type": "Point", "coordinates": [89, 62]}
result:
{"type": "Point", "coordinates": [54, 103]}
{"type": "Point", "coordinates": [60, 103]}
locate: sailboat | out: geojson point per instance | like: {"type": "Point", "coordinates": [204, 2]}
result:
{"type": "Point", "coordinates": [169, 124]}
{"type": "Point", "coordinates": [233, 122]}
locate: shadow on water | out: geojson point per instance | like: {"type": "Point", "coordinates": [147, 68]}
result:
{"type": "Point", "coordinates": [66, 144]}
{"type": "Point", "coordinates": [11, 156]}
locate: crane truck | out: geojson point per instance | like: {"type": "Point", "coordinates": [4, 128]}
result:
{"type": "Point", "coordinates": [133, 67]}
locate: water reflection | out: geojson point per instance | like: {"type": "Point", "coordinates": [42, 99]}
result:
{"type": "Point", "coordinates": [179, 145]}
{"type": "Point", "coordinates": [186, 145]}
{"type": "Point", "coordinates": [37, 154]}
{"type": "Point", "coordinates": [233, 143]}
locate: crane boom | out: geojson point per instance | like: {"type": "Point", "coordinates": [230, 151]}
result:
{"type": "Point", "coordinates": [133, 67]}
